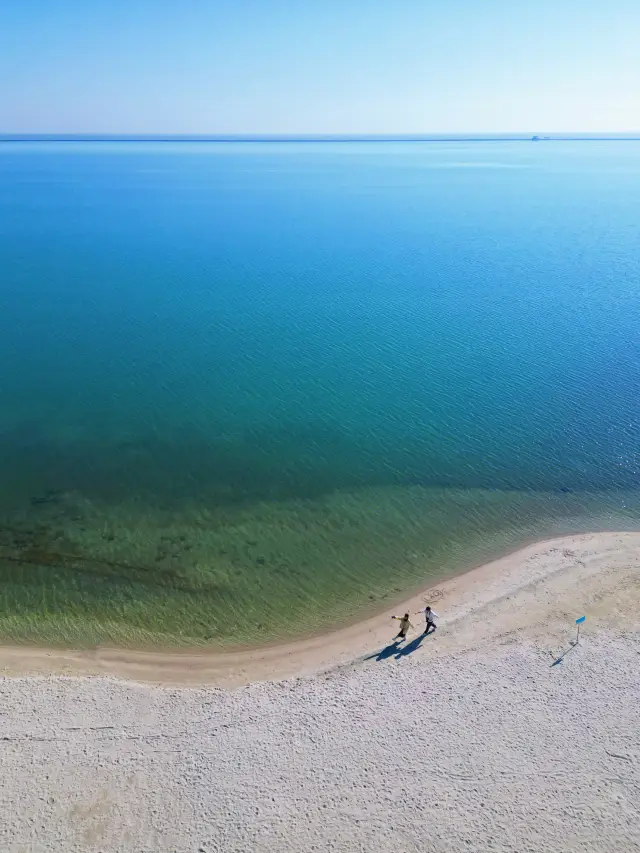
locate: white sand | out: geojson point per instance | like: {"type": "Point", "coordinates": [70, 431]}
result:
{"type": "Point", "coordinates": [472, 741]}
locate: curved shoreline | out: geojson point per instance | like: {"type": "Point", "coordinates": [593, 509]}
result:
{"type": "Point", "coordinates": [567, 558]}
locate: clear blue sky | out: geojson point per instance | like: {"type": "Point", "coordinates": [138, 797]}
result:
{"type": "Point", "coordinates": [319, 66]}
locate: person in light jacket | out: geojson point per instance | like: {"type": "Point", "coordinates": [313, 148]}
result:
{"type": "Point", "coordinates": [430, 618]}
{"type": "Point", "coordinates": [405, 624]}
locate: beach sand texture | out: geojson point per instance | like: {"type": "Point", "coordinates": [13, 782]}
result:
{"type": "Point", "coordinates": [469, 739]}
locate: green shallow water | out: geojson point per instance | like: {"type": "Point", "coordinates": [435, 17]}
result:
{"type": "Point", "coordinates": [81, 573]}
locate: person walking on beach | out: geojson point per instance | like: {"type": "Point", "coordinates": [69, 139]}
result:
{"type": "Point", "coordinates": [405, 624]}
{"type": "Point", "coordinates": [430, 617]}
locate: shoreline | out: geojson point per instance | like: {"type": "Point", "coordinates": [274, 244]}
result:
{"type": "Point", "coordinates": [366, 613]}
{"type": "Point", "coordinates": [474, 732]}
{"type": "Point", "coordinates": [455, 597]}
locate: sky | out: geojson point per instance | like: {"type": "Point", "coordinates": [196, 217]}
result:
{"type": "Point", "coordinates": [319, 66]}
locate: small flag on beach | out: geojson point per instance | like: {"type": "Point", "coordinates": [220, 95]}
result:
{"type": "Point", "coordinates": [579, 622]}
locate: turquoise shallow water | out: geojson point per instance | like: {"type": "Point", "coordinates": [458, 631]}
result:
{"type": "Point", "coordinates": [222, 327]}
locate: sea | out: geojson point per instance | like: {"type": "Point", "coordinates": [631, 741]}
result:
{"type": "Point", "coordinates": [250, 389]}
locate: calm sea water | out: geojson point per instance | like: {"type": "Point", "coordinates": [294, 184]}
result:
{"type": "Point", "coordinates": [220, 326]}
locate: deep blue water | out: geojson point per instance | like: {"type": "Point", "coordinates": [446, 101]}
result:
{"type": "Point", "coordinates": [236, 321]}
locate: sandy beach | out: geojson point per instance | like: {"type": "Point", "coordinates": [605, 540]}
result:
{"type": "Point", "coordinates": [468, 739]}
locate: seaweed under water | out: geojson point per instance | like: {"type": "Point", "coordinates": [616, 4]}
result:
{"type": "Point", "coordinates": [36, 546]}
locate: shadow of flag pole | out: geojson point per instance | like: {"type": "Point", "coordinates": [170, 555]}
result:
{"type": "Point", "coordinates": [561, 657]}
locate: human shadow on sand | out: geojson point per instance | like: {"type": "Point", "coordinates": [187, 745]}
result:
{"type": "Point", "coordinates": [397, 650]}
{"type": "Point", "coordinates": [388, 652]}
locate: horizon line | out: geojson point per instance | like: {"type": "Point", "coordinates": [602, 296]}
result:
{"type": "Point", "coordinates": [548, 136]}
